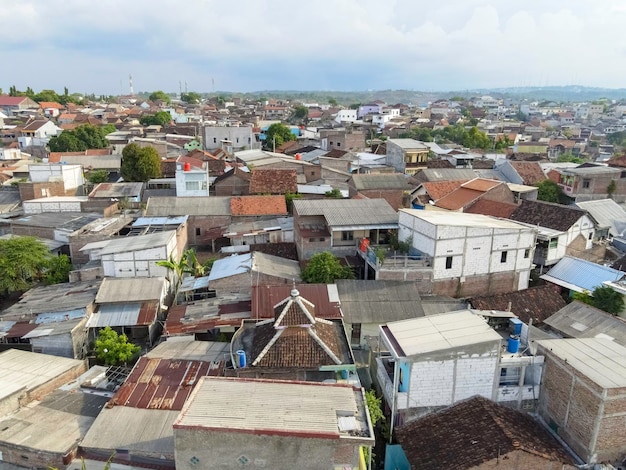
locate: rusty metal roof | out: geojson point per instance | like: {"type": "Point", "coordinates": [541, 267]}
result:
{"type": "Point", "coordinates": [162, 384]}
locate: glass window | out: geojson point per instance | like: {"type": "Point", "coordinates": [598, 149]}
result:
{"type": "Point", "coordinates": [448, 262]}
{"type": "Point", "coordinates": [503, 256]}
{"type": "Point", "coordinates": [554, 242]}
{"type": "Point", "coordinates": [347, 236]}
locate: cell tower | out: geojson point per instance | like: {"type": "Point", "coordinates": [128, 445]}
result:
{"type": "Point", "coordinates": [130, 82]}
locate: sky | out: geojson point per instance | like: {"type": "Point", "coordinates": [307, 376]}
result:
{"type": "Point", "coordinates": [93, 46]}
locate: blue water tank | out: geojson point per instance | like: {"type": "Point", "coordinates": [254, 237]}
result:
{"type": "Point", "coordinates": [241, 355]}
{"type": "Point", "coordinates": [344, 374]}
{"type": "Point", "coordinates": [513, 344]}
{"type": "Point", "coordinates": [515, 325]}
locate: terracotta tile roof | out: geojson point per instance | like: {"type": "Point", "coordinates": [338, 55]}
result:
{"type": "Point", "coordinates": [284, 250]}
{"type": "Point", "coordinates": [258, 205]}
{"type": "Point", "coordinates": [194, 162]}
{"type": "Point", "coordinates": [50, 104]}
{"type": "Point", "coordinates": [438, 189]}
{"type": "Point", "coordinates": [483, 164]}
{"type": "Point", "coordinates": [568, 144]}
{"type": "Point", "coordinates": [296, 347]}
{"type": "Point", "coordinates": [536, 303]}
{"type": "Point", "coordinates": [545, 214]}
{"type": "Point", "coordinates": [6, 100]}
{"type": "Point", "coordinates": [458, 199]}
{"type": "Point", "coordinates": [473, 432]}
{"type": "Point", "coordinates": [336, 153]}
{"type": "Point", "coordinates": [273, 181]}
{"type": "Point", "coordinates": [35, 125]}
{"type": "Point", "coordinates": [481, 184]}
{"type": "Point", "coordinates": [619, 162]}
{"type": "Point", "coordinates": [530, 172]}
{"type": "Point", "coordinates": [492, 208]}
{"type": "Point", "coordinates": [162, 384]}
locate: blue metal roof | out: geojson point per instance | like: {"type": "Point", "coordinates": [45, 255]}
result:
{"type": "Point", "coordinates": [580, 275]}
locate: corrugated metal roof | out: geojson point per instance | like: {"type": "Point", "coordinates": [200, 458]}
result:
{"type": "Point", "coordinates": [441, 174]}
{"type": "Point", "coordinates": [378, 301]}
{"type": "Point", "coordinates": [601, 360]}
{"type": "Point", "coordinates": [380, 181]}
{"type": "Point", "coordinates": [188, 349]}
{"type": "Point", "coordinates": [231, 266]}
{"type": "Point", "coordinates": [342, 212]}
{"type": "Point", "coordinates": [440, 332]}
{"type": "Point", "coordinates": [275, 266]}
{"type": "Point", "coordinates": [136, 289]}
{"type": "Point", "coordinates": [581, 275]}
{"type": "Point", "coordinates": [54, 329]}
{"type": "Point", "coordinates": [171, 206]}
{"type": "Point", "coordinates": [146, 221]}
{"type": "Point", "coordinates": [193, 283]}
{"type": "Point", "coordinates": [162, 384]}
{"type": "Point", "coordinates": [579, 320]}
{"type": "Point", "coordinates": [138, 242]}
{"type": "Point", "coordinates": [114, 315]}
{"type": "Point", "coordinates": [60, 316]}
{"type": "Point", "coordinates": [307, 409]}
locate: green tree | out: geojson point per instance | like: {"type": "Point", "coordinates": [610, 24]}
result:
{"type": "Point", "coordinates": [277, 134]}
{"type": "Point", "coordinates": [569, 157]}
{"type": "Point", "coordinates": [334, 194]}
{"type": "Point", "coordinates": [114, 349]}
{"type": "Point", "coordinates": [610, 189]}
{"type": "Point", "coordinates": [289, 197]}
{"type": "Point", "coordinates": [159, 96]}
{"type": "Point", "coordinates": [57, 270]}
{"type": "Point", "coordinates": [97, 176]}
{"type": "Point", "coordinates": [300, 112]}
{"type": "Point", "coordinates": [47, 95]}
{"type": "Point", "coordinates": [191, 97]}
{"type": "Point", "coordinates": [549, 191]}
{"type": "Point", "coordinates": [162, 118]}
{"type": "Point", "coordinates": [140, 164]}
{"type": "Point", "coordinates": [607, 299]}
{"type": "Point", "coordinates": [84, 137]}
{"type": "Point", "coordinates": [324, 268]}
{"type": "Point", "coordinates": [23, 262]}
{"type": "Point", "coordinates": [422, 134]}
{"type": "Point", "coordinates": [332, 101]}
{"type": "Point", "coordinates": [503, 143]}
{"type": "Point", "coordinates": [374, 407]}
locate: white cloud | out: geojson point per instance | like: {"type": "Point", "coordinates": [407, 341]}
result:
{"type": "Point", "coordinates": [343, 44]}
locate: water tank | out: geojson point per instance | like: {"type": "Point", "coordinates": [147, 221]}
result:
{"type": "Point", "coordinates": [344, 374]}
{"type": "Point", "coordinates": [513, 345]}
{"type": "Point", "coordinates": [298, 156]}
{"type": "Point", "coordinates": [241, 358]}
{"type": "Point", "coordinates": [515, 326]}
{"type": "Point", "coordinates": [187, 166]}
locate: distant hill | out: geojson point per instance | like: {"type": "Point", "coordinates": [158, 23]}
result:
{"type": "Point", "coordinates": [568, 93]}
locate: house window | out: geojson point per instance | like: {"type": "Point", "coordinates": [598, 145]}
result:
{"type": "Point", "coordinates": [198, 231]}
{"type": "Point", "coordinates": [503, 256]}
{"type": "Point", "coordinates": [526, 252]}
{"type": "Point", "coordinates": [347, 236]}
{"type": "Point", "coordinates": [590, 236]}
{"type": "Point", "coordinates": [192, 185]}
{"type": "Point", "coordinates": [338, 144]}
{"type": "Point", "coordinates": [448, 262]}
{"type": "Point", "coordinates": [553, 243]}
{"type": "Point", "coordinates": [215, 140]}
{"type": "Point", "coordinates": [586, 183]}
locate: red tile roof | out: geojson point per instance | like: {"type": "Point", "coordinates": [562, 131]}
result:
{"type": "Point", "coordinates": [50, 104]}
{"type": "Point", "coordinates": [530, 172]}
{"type": "Point", "coordinates": [258, 205]}
{"type": "Point", "coordinates": [481, 184]}
{"type": "Point", "coordinates": [474, 432]}
{"type": "Point", "coordinates": [6, 100]}
{"type": "Point", "coordinates": [194, 162]}
{"type": "Point", "coordinates": [458, 199]}
{"type": "Point", "coordinates": [273, 181]}
{"type": "Point", "coordinates": [438, 189]}
{"type": "Point", "coordinates": [492, 208]}
{"type": "Point", "coordinates": [162, 384]}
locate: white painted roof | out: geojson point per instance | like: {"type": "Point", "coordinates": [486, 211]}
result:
{"type": "Point", "coordinates": [462, 219]}
{"type": "Point", "coordinates": [230, 266]}
{"type": "Point", "coordinates": [440, 332]}
{"type": "Point", "coordinates": [601, 360]}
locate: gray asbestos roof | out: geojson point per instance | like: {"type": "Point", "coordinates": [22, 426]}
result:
{"type": "Point", "coordinates": [378, 301]}
{"type": "Point", "coordinates": [185, 348]}
{"type": "Point", "coordinates": [579, 320]}
{"type": "Point", "coordinates": [67, 221]}
{"type": "Point", "coordinates": [607, 213]}
{"type": "Point", "coordinates": [170, 206]}
{"type": "Point", "coordinates": [9, 201]}
{"type": "Point", "coordinates": [56, 298]}
{"type": "Point", "coordinates": [139, 242]}
{"type": "Point", "coordinates": [446, 174]}
{"type": "Point", "coordinates": [380, 181]}
{"type": "Point", "coordinates": [601, 360]}
{"type": "Point", "coordinates": [349, 212]}
{"type": "Point", "coordinates": [136, 289]}
{"type": "Point", "coordinates": [408, 144]}
{"type": "Point", "coordinates": [135, 429]}
{"type": "Point", "coordinates": [27, 370]}
{"type": "Point", "coordinates": [275, 266]}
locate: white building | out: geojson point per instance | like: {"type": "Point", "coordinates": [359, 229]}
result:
{"type": "Point", "coordinates": [235, 137]}
{"type": "Point", "coordinates": [70, 175]}
{"type": "Point", "coordinates": [135, 256]}
{"type": "Point", "coordinates": [438, 360]}
{"type": "Point", "coordinates": [346, 115]}
{"type": "Point", "coordinates": [470, 253]}
{"type": "Point", "coordinates": [191, 181]}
